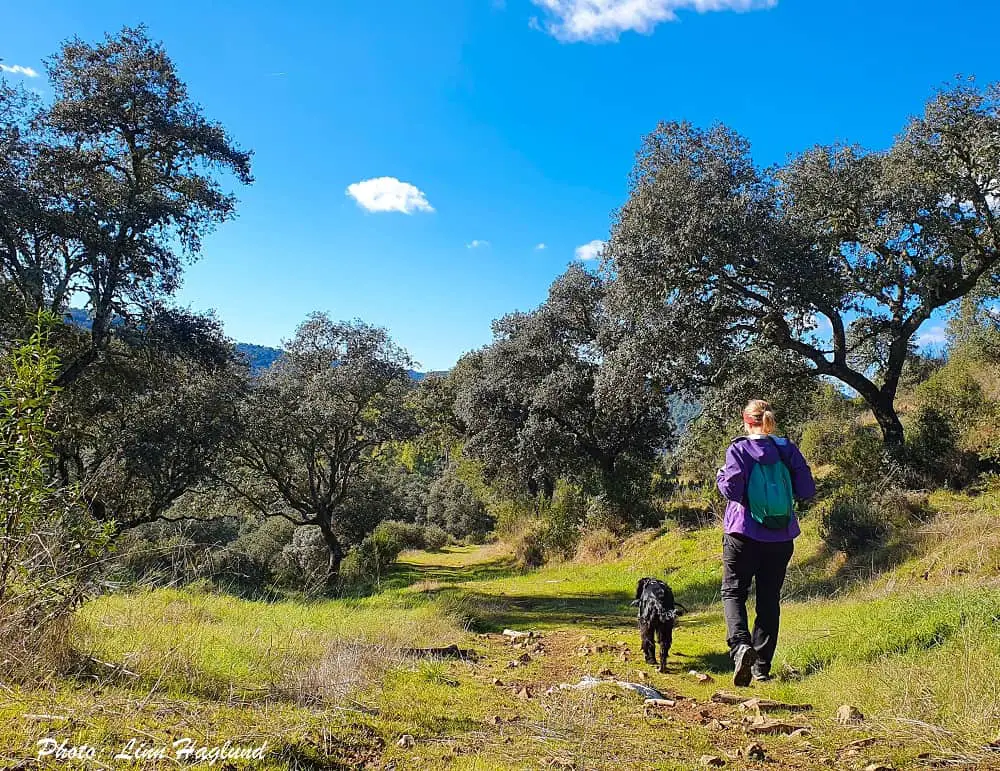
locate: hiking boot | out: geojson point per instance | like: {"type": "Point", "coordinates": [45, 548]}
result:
{"type": "Point", "coordinates": [743, 660]}
{"type": "Point", "coordinates": [761, 672]}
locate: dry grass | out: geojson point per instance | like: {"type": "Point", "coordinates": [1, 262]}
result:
{"type": "Point", "coordinates": [598, 545]}
{"type": "Point", "coordinates": [346, 669]}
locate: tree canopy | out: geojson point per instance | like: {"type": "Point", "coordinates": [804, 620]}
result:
{"type": "Point", "coordinates": [316, 421]}
{"type": "Point", "coordinates": [539, 408]}
{"type": "Point", "coordinates": [839, 256]}
{"type": "Point", "coordinates": [108, 190]}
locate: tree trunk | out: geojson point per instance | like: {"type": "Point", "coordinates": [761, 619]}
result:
{"type": "Point", "coordinates": [336, 551]}
{"type": "Point", "coordinates": [880, 400]}
{"type": "Point", "coordinates": [888, 421]}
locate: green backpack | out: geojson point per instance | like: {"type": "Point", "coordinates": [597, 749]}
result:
{"type": "Point", "coordinates": [769, 491]}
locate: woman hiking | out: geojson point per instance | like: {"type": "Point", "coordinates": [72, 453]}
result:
{"type": "Point", "coordinates": [762, 477]}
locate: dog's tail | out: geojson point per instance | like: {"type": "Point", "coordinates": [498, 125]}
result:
{"type": "Point", "coordinates": [668, 615]}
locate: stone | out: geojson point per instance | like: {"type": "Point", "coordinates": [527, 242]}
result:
{"type": "Point", "coordinates": [711, 761]}
{"type": "Point", "coordinates": [773, 727]}
{"type": "Point", "coordinates": [701, 677]}
{"type": "Point", "coordinates": [753, 752]}
{"type": "Point", "coordinates": [770, 704]}
{"type": "Point", "coordinates": [722, 697]}
{"type": "Point", "coordinates": [847, 713]}
{"type": "Point", "coordinates": [878, 767]}
{"type": "Point", "coordinates": [406, 742]}
{"type": "Point", "coordinates": [658, 703]}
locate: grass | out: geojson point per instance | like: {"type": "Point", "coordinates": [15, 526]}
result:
{"type": "Point", "coordinates": [912, 641]}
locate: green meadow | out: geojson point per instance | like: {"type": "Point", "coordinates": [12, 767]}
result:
{"type": "Point", "coordinates": [910, 638]}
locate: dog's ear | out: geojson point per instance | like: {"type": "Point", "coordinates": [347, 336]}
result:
{"type": "Point", "coordinates": [640, 586]}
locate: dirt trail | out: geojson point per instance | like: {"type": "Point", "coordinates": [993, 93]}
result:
{"type": "Point", "coordinates": [701, 722]}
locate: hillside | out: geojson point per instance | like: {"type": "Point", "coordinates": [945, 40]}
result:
{"type": "Point", "coordinates": [908, 636]}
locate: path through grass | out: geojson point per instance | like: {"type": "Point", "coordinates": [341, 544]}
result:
{"type": "Point", "coordinates": [327, 685]}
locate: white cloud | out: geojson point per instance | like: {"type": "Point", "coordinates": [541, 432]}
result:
{"type": "Point", "coordinates": [476, 243]}
{"type": "Point", "coordinates": [388, 194]}
{"type": "Point", "coordinates": [933, 335]}
{"type": "Point", "coordinates": [17, 69]}
{"type": "Point", "coordinates": [590, 251]}
{"type": "Point", "coordinates": [540, 247]}
{"type": "Point", "coordinates": [575, 20]}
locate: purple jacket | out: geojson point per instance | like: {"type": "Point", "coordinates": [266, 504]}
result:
{"type": "Point", "coordinates": [732, 481]}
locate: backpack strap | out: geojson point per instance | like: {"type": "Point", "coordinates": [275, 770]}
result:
{"type": "Point", "coordinates": [781, 455]}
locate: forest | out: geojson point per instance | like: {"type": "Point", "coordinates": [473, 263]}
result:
{"type": "Point", "coordinates": [144, 453]}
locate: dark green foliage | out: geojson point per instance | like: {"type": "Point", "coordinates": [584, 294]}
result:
{"type": "Point", "coordinates": [454, 507]}
{"type": "Point", "coordinates": [435, 538]}
{"type": "Point", "coordinates": [147, 425]}
{"type": "Point", "coordinates": [713, 256]}
{"type": "Point", "coordinates": [110, 189]}
{"type": "Point", "coordinates": [853, 522]}
{"type": "Point", "coordinates": [539, 403]}
{"type": "Point", "coordinates": [314, 425]}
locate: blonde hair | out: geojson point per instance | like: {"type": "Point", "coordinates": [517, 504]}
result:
{"type": "Point", "coordinates": [760, 414]}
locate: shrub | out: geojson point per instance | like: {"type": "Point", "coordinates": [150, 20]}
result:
{"type": "Point", "coordinates": [529, 545]}
{"type": "Point", "coordinates": [852, 521]}
{"type": "Point", "coordinates": [956, 429]}
{"type": "Point", "coordinates": [933, 450]}
{"type": "Point", "coordinates": [832, 421]}
{"type": "Point", "coordinates": [403, 534]}
{"type": "Point", "coordinates": [435, 538]}
{"type": "Point", "coordinates": [454, 506]}
{"type": "Point", "coordinates": [305, 561]}
{"type": "Point", "coordinates": [861, 458]}
{"type": "Point", "coordinates": [564, 518]}
{"type": "Point", "coordinates": [49, 542]}
{"type": "Point", "coordinates": [695, 506]}
{"type": "Point", "coordinates": [367, 562]}
{"type": "Point", "coordinates": [597, 545]}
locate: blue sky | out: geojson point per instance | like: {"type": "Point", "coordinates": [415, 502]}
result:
{"type": "Point", "coordinates": [498, 125]}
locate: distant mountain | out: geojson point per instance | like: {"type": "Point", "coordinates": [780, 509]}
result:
{"type": "Point", "coordinates": [260, 356]}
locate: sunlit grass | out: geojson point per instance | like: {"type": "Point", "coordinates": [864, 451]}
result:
{"type": "Point", "coordinates": [914, 643]}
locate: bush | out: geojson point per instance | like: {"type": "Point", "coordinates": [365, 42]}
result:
{"type": "Point", "coordinates": [832, 422]}
{"type": "Point", "coordinates": [368, 562]}
{"type": "Point", "coordinates": [853, 521]}
{"type": "Point", "coordinates": [862, 460]}
{"type": "Point", "coordinates": [529, 545]}
{"type": "Point", "coordinates": [597, 545]}
{"type": "Point", "coordinates": [404, 534]}
{"type": "Point", "coordinates": [49, 542]}
{"type": "Point", "coordinates": [453, 506]}
{"type": "Point", "coordinates": [695, 506]}
{"type": "Point", "coordinates": [564, 518]}
{"type": "Point", "coordinates": [305, 561]}
{"type": "Point", "coordinates": [955, 429]}
{"type": "Point", "coordinates": [933, 451]}
{"type": "Point", "coordinates": [435, 538]}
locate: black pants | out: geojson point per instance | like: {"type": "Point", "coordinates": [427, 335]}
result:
{"type": "Point", "coordinates": [743, 560]}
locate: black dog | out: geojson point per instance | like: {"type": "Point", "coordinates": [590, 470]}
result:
{"type": "Point", "coordinates": [657, 613]}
